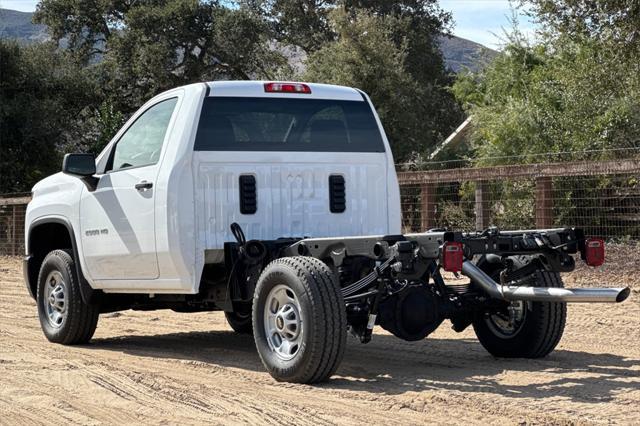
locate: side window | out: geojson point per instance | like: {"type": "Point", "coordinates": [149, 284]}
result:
{"type": "Point", "coordinates": [142, 142]}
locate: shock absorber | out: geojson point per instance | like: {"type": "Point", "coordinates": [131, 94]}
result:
{"type": "Point", "coordinates": [373, 312]}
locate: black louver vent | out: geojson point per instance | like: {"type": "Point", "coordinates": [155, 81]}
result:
{"type": "Point", "coordinates": [248, 198]}
{"type": "Point", "coordinates": [337, 195]}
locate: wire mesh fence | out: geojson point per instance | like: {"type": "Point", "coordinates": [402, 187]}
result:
{"type": "Point", "coordinates": [602, 197]}
{"type": "Point", "coordinates": [607, 207]}
{"type": "Point", "coordinates": [12, 212]}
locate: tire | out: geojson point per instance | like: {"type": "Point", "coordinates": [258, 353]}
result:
{"type": "Point", "coordinates": [537, 335]}
{"type": "Point", "coordinates": [317, 325]}
{"type": "Point", "coordinates": [59, 292]}
{"type": "Point", "coordinates": [239, 323]}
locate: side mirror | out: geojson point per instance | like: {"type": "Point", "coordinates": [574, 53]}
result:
{"type": "Point", "coordinates": [81, 165]}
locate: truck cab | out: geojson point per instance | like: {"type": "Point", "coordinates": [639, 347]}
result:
{"type": "Point", "coordinates": [280, 159]}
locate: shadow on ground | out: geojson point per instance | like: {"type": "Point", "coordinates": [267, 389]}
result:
{"type": "Point", "coordinates": [391, 366]}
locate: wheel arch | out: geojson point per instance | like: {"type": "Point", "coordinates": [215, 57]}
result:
{"type": "Point", "coordinates": [46, 234]}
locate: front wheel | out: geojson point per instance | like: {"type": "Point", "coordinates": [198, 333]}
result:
{"type": "Point", "coordinates": [64, 317]}
{"type": "Point", "coordinates": [299, 320]}
{"type": "Point", "coordinates": [524, 329]}
{"type": "Point", "coordinates": [239, 322]}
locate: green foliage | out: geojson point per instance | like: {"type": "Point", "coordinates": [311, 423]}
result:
{"type": "Point", "coordinates": [386, 48]}
{"type": "Point", "coordinates": [458, 216]}
{"type": "Point", "coordinates": [138, 49]}
{"type": "Point", "coordinates": [514, 208]}
{"type": "Point", "coordinates": [370, 53]}
{"type": "Point", "coordinates": [86, 25]}
{"type": "Point", "coordinates": [293, 22]}
{"type": "Point", "coordinates": [116, 54]}
{"type": "Point", "coordinates": [307, 24]}
{"type": "Point", "coordinates": [108, 121]}
{"type": "Point", "coordinates": [415, 24]}
{"type": "Point", "coordinates": [576, 92]}
{"type": "Point", "coordinates": [143, 48]}
{"type": "Point", "coordinates": [43, 98]}
{"type": "Point", "coordinates": [611, 22]}
{"type": "Point", "coordinates": [564, 94]}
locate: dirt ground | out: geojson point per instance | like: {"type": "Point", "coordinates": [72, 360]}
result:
{"type": "Point", "coordinates": [167, 368]}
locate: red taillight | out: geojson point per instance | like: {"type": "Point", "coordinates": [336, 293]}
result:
{"type": "Point", "coordinates": [287, 88]}
{"type": "Point", "coordinates": [452, 256]}
{"type": "Point", "coordinates": [594, 251]}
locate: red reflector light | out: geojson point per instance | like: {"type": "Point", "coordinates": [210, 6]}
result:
{"type": "Point", "coordinates": [452, 256]}
{"type": "Point", "coordinates": [287, 88]}
{"type": "Point", "coordinates": [594, 251]}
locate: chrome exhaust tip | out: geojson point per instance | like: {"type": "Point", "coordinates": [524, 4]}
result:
{"type": "Point", "coordinates": [623, 295]}
{"type": "Point", "coordinates": [543, 294]}
{"type": "Point", "coordinates": [574, 295]}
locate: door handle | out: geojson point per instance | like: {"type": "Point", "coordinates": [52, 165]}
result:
{"type": "Point", "coordinates": [144, 185]}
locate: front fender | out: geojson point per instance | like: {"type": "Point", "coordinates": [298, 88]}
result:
{"type": "Point", "coordinates": [32, 263]}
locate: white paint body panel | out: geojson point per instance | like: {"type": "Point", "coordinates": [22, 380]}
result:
{"type": "Point", "coordinates": [292, 193]}
{"type": "Point", "coordinates": [117, 227]}
{"type": "Point", "coordinates": [156, 241]}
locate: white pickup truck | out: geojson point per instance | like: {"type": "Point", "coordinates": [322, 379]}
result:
{"type": "Point", "coordinates": [158, 221]}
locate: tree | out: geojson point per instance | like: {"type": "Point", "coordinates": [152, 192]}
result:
{"type": "Point", "coordinates": [575, 93]}
{"type": "Point", "coordinates": [293, 22]}
{"type": "Point", "coordinates": [569, 93]}
{"type": "Point", "coordinates": [306, 24]}
{"type": "Point", "coordinates": [43, 97]}
{"type": "Point", "coordinates": [143, 48]}
{"type": "Point", "coordinates": [417, 110]}
{"type": "Point", "coordinates": [136, 49]}
{"type": "Point", "coordinates": [86, 26]}
{"type": "Point", "coordinates": [417, 26]}
{"type": "Point", "coordinates": [185, 42]}
{"type": "Point", "coordinates": [615, 22]}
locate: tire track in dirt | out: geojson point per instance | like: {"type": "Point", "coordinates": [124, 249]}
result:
{"type": "Point", "coordinates": [163, 367]}
{"type": "Point", "coordinates": [138, 386]}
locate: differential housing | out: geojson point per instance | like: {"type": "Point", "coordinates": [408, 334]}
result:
{"type": "Point", "coordinates": [411, 314]}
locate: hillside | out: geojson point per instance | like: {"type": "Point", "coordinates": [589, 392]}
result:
{"type": "Point", "coordinates": [458, 53]}
{"type": "Point", "coordinates": [18, 25]}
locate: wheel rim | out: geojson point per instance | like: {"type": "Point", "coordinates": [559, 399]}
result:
{"type": "Point", "coordinates": [283, 322]}
{"type": "Point", "coordinates": [508, 324]}
{"type": "Point", "coordinates": [55, 299]}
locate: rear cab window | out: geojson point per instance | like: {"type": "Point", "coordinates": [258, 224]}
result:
{"type": "Point", "coordinates": [286, 124]}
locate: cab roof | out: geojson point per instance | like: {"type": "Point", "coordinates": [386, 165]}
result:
{"type": "Point", "coordinates": [257, 89]}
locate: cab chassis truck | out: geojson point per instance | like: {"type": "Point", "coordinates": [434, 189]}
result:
{"type": "Point", "coordinates": [159, 221]}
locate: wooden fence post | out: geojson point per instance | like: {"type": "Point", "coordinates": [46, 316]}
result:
{"type": "Point", "coordinates": [482, 210]}
{"type": "Point", "coordinates": [13, 230]}
{"type": "Point", "coordinates": [544, 202]}
{"type": "Point", "coordinates": [427, 206]}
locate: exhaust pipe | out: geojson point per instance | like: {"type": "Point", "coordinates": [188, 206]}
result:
{"type": "Point", "coordinates": [543, 294]}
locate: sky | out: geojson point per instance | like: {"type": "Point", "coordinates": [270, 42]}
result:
{"type": "Point", "coordinates": [479, 20]}
{"type": "Point", "coordinates": [483, 21]}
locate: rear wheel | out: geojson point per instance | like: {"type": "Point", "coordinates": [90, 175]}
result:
{"type": "Point", "coordinates": [524, 329]}
{"type": "Point", "coordinates": [299, 320]}
{"type": "Point", "coordinates": [64, 317]}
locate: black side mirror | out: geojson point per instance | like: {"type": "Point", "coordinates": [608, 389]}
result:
{"type": "Point", "coordinates": [79, 164]}
{"type": "Point", "coordinates": [82, 166]}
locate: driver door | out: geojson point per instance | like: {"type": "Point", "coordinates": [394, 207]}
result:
{"type": "Point", "coordinates": [117, 220]}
